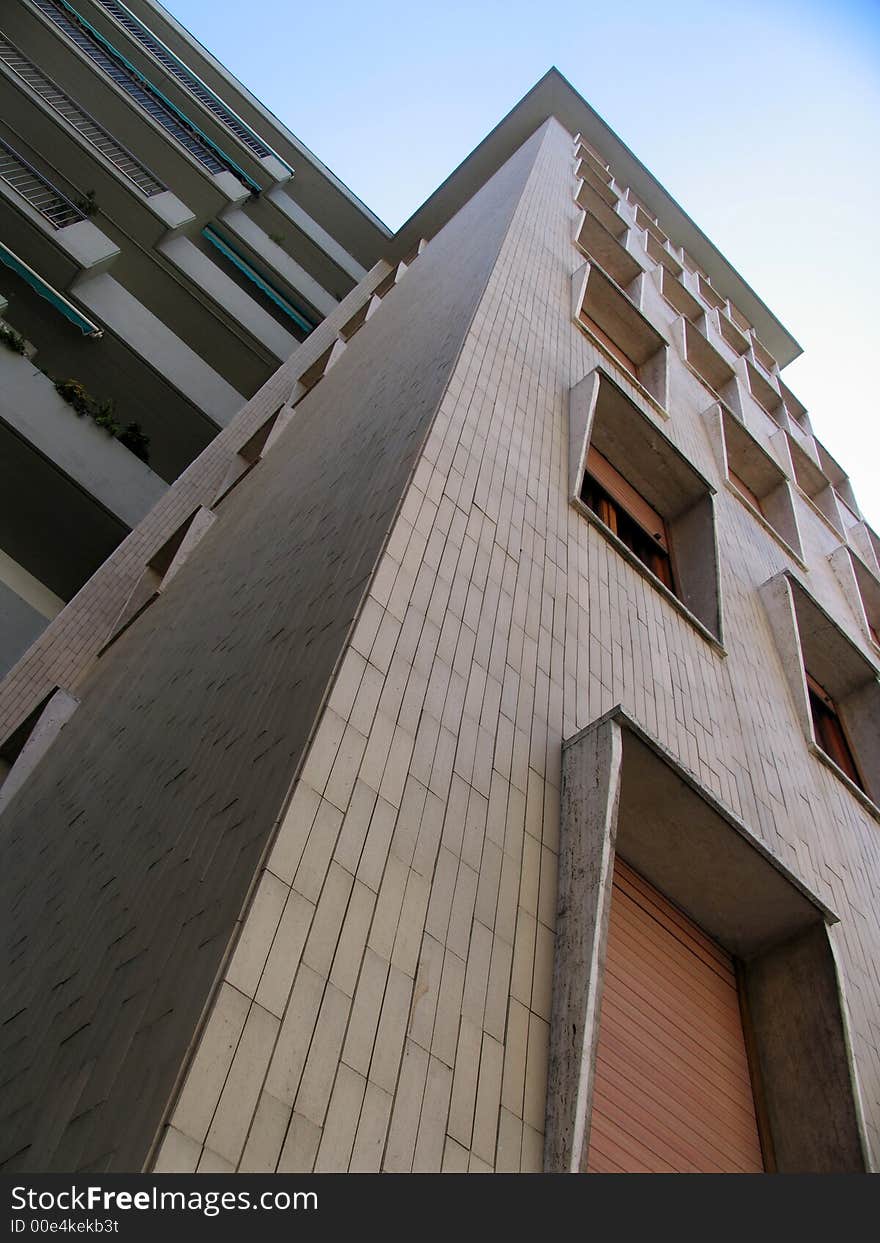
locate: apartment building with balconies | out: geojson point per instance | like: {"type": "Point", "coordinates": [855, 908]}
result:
{"type": "Point", "coordinates": [165, 243]}
{"type": "Point", "coordinates": [471, 763]}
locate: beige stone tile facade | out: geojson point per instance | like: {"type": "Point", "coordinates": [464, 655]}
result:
{"type": "Point", "coordinates": [388, 1003]}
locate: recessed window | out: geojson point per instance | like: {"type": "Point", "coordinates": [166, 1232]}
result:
{"type": "Point", "coordinates": [585, 155]}
{"type": "Point", "coordinates": [601, 185]}
{"type": "Point", "coordinates": [861, 586]}
{"type": "Point", "coordinates": [762, 355]}
{"type": "Point", "coordinates": [613, 319]}
{"type": "Point", "coordinates": [708, 294]}
{"type": "Point", "coordinates": [707, 363]}
{"type": "Point", "coordinates": [628, 515]}
{"type": "Point", "coordinates": [764, 393]}
{"type": "Point", "coordinates": [608, 251]}
{"type": "Point", "coordinates": [678, 297]}
{"type": "Point", "coordinates": [590, 200]}
{"type": "Point", "coordinates": [755, 477]}
{"type": "Point", "coordinates": [835, 688]}
{"type": "Point", "coordinates": [644, 496]}
{"type": "Point", "coordinates": [732, 335]}
{"type": "Point", "coordinates": [661, 254]}
{"type": "Point", "coordinates": [815, 486]}
{"type": "Point", "coordinates": [829, 732]}
{"type": "Point", "coordinates": [682, 1036]}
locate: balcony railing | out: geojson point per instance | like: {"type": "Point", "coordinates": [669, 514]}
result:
{"type": "Point", "coordinates": [187, 78]}
{"type": "Point", "coordinates": [33, 186]}
{"type": "Point", "coordinates": [130, 80]}
{"type": "Point", "coordinates": [72, 112]}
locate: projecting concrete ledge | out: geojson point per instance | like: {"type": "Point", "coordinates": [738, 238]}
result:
{"type": "Point", "coordinates": [623, 793]}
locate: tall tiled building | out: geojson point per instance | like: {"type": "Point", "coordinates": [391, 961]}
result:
{"type": "Point", "coordinates": [471, 762]}
{"type": "Point", "coordinates": [165, 243]}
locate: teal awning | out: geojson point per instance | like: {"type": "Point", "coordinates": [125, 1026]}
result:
{"type": "Point", "coordinates": [45, 290]}
{"type": "Point", "coordinates": [243, 266]}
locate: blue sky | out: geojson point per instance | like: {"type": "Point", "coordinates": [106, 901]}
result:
{"type": "Point", "coordinates": [761, 119]}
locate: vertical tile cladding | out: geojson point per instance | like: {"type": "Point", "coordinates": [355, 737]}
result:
{"type": "Point", "coordinates": [129, 854]}
{"type": "Point", "coordinates": [499, 622]}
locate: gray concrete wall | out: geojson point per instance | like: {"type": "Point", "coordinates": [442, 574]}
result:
{"type": "Point", "coordinates": [19, 626]}
{"type": "Point", "coordinates": [102, 467]}
{"type": "Point", "coordinates": [160, 795]}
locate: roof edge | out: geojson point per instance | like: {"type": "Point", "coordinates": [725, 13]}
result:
{"type": "Point", "coordinates": [553, 95]}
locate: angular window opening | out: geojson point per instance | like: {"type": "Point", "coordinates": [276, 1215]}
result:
{"type": "Point", "coordinates": [731, 334]}
{"type": "Point", "coordinates": [612, 318]}
{"type": "Point", "coordinates": [601, 185]}
{"type": "Point", "coordinates": [834, 688]}
{"type": "Point", "coordinates": [743, 487]}
{"type": "Point", "coordinates": [357, 321]}
{"type": "Point", "coordinates": [662, 255]}
{"type": "Point", "coordinates": [762, 356]}
{"type": "Point", "coordinates": [644, 496]}
{"type": "Point", "coordinates": [738, 318]}
{"type": "Point", "coordinates": [861, 586]}
{"type": "Point", "coordinates": [690, 868]}
{"type": "Point", "coordinates": [644, 220]}
{"type": "Point", "coordinates": [628, 515]}
{"type": "Point", "coordinates": [608, 252]}
{"type": "Point", "coordinates": [838, 479]}
{"type": "Point", "coordinates": [755, 477]}
{"type": "Point", "coordinates": [829, 732]}
{"type": "Point", "coordinates": [586, 155]}
{"type": "Point", "coordinates": [590, 200]}
{"type": "Point", "coordinates": [707, 363]}
{"type": "Point", "coordinates": [708, 294]}
{"type": "Point", "coordinates": [409, 259]}
{"type": "Point", "coordinates": [678, 297]}
{"type": "Point", "coordinates": [815, 486]}
{"type": "Point", "coordinates": [26, 746]}
{"type": "Point", "coordinates": [764, 394]}
{"type": "Point", "coordinates": [868, 588]}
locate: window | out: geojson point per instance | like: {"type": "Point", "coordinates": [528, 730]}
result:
{"type": "Point", "coordinates": [755, 477]}
{"type": "Point", "coordinates": [829, 731]}
{"type": "Point", "coordinates": [608, 251]}
{"type": "Point", "coordinates": [644, 496]}
{"type": "Point", "coordinates": [834, 687]}
{"type": "Point", "coordinates": [815, 486]}
{"type": "Point", "coordinates": [764, 393]}
{"type": "Point", "coordinates": [652, 865]}
{"type": "Point", "coordinates": [628, 515]}
{"type": "Point", "coordinates": [612, 318]}
{"type": "Point", "coordinates": [743, 487]}
{"type": "Point", "coordinates": [589, 199]}
{"type": "Point", "coordinates": [706, 362]}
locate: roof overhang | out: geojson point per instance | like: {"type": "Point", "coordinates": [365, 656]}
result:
{"type": "Point", "coordinates": [554, 96]}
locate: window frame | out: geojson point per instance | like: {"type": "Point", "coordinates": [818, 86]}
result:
{"type": "Point", "coordinates": [703, 858]}
{"type": "Point", "coordinates": [693, 526]}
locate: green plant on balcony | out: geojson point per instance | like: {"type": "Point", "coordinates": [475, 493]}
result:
{"type": "Point", "coordinates": [135, 440]}
{"type": "Point", "coordinates": [11, 339]}
{"type": "Point", "coordinates": [76, 395]}
{"type": "Point", "coordinates": [103, 414]}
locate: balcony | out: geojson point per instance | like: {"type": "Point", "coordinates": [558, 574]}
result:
{"type": "Point", "coordinates": [37, 190]}
{"type": "Point", "coordinates": [30, 77]}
